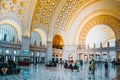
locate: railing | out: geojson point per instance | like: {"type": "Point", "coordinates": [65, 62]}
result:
{"type": "Point", "coordinates": [38, 48]}
{"type": "Point", "coordinates": [82, 48]}
{"type": "Point", "coordinates": [10, 45]}
{"type": "Point", "coordinates": [103, 49]}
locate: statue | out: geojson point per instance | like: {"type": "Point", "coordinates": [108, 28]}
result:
{"type": "Point", "coordinates": [35, 43]}
{"type": "Point", "coordinates": [13, 39]}
{"type": "Point", "coordinates": [5, 37]}
{"type": "Point", "coordinates": [40, 43]}
{"type": "Point", "coordinates": [17, 40]}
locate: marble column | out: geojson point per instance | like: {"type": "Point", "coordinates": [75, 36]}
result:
{"type": "Point", "coordinates": [88, 55]}
{"type": "Point", "coordinates": [12, 53]}
{"type": "Point", "coordinates": [3, 53]}
{"type": "Point", "coordinates": [94, 56]}
{"type": "Point", "coordinates": [25, 44]}
{"type": "Point", "coordinates": [108, 56]}
{"type": "Point", "coordinates": [49, 51]}
{"type": "Point", "coordinates": [83, 56]}
{"type": "Point", "coordinates": [78, 57]}
{"type": "Point", "coordinates": [101, 56]}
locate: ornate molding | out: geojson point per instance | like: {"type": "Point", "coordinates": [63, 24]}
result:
{"type": "Point", "coordinates": [38, 48]}
{"type": "Point", "coordinates": [101, 19]}
{"type": "Point", "coordinates": [68, 11]}
{"type": "Point", "coordinates": [43, 13]}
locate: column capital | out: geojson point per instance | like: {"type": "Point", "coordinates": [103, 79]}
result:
{"type": "Point", "coordinates": [26, 37]}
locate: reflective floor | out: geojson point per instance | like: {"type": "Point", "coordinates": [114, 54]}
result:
{"type": "Point", "coordinates": [40, 72]}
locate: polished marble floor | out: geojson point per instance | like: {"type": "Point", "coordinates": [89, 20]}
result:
{"type": "Point", "coordinates": [40, 72]}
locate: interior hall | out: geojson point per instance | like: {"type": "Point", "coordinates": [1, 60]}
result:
{"type": "Point", "coordinates": [59, 39]}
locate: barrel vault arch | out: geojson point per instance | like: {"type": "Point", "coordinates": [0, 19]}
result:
{"type": "Point", "coordinates": [101, 19]}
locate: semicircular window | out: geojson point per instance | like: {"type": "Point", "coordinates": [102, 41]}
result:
{"type": "Point", "coordinates": [8, 33]}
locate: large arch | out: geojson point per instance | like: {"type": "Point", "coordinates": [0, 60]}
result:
{"type": "Point", "coordinates": [58, 40]}
{"type": "Point", "coordinates": [101, 19]}
{"type": "Point", "coordinates": [77, 23]}
{"type": "Point", "coordinates": [81, 17]}
{"type": "Point", "coordinates": [15, 25]}
{"type": "Point", "coordinates": [59, 11]}
{"type": "Point", "coordinates": [100, 34]}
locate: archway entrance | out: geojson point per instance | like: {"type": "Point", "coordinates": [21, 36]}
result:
{"type": "Point", "coordinates": [57, 48]}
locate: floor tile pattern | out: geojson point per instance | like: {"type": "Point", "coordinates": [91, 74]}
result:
{"type": "Point", "coordinates": [40, 72]}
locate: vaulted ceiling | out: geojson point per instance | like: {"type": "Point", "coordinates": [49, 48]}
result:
{"type": "Point", "coordinates": [42, 11]}
{"type": "Point", "coordinates": [64, 17]}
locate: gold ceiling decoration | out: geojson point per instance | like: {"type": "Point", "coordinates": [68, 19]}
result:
{"type": "Point", "coordinates": [41, 20]}
{"type": "Point", "coordinates": [68, 10]}
{"type": "Point", "coordinates": [20, 11]}
{"type": "Point", "coordinates": [5, 6]}
{"type": "Point", "coordinates": [22, 4]}
{"type": "Point", "coordinates": [15, 6]}
{"type": "Point", "coordinates": [44, 10]}
{"type": "Point", "coordinates": [14, 1]}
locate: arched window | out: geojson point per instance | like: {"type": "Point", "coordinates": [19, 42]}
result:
{"type": "Point", "coordinates": [57, 42]}
{"type": "Point", "coordinates": [35, 39]}
{"type": "Point", "coordinates": [100, 34]}
{"type": "Point", "coordinates": [8, 33]}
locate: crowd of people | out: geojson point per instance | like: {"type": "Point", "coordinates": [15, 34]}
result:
{"type": "Point", "coordinates": [77, 65]}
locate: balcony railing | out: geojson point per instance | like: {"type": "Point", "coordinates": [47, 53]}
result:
{"type": "Point", "coordinates": [38, 48]}
{"type": "Point", "coordinates": [6, 44]}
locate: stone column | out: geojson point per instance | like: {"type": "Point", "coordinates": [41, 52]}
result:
{"type": "Point", "coordinates": [94, 45]}
{"type": "Point", "coordinates": [88, 56]}
{"type": "Point", "coordinates": [83, 56]}
{"type": "Point", "coordinates": [25, 44]}
{"type": "Point", "coordinates": [78, 57]}
{"type": "Point", "coordinates": [59, 57]}
{"type": "Point", "coordinates": [3, 53]}
{"type": "Point", "coordinates": [94, 56]}
{"type": "Point", "coordinates": [65, 56]}
{"type": "Point", "coordinates": [108, 56]}
{"type": "Point", "coordinates": [34, 60]}
{"type": "Point", "coordinates": [49, 51]}
{"type": "Point", "coordinates": [74, 54]}
{"type": "Point", "coordinates": [101, 56]}
{"type": "Point", "coordinates": [40, 53]}
{"type": "Point", "coordinates": [12, 53]}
